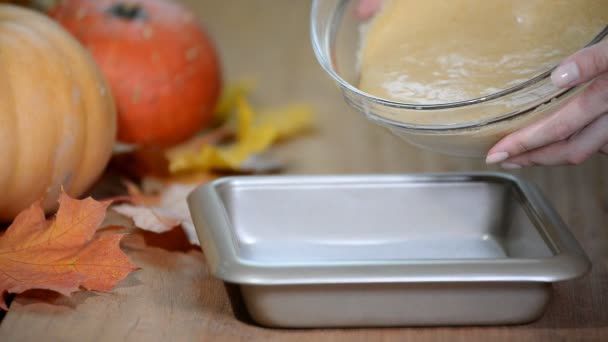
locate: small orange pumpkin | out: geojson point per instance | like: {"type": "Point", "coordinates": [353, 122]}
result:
{"type": "Point", "coordinates": [57, 115]}
{"type": "Point", "coordinates": [161, 65]}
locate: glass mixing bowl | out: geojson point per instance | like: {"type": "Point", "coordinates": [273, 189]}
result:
{"type": "Point", "coordinates": [336, 36]}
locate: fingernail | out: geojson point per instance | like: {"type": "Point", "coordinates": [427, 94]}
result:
{"type": "Point", "coordinates": [497, 157]}
{"type": "Point", "coordinates": [565, 75]}
{"type": "Point", "coordinates": [510, 166]}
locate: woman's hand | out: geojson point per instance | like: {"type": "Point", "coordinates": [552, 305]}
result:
{"type": "Point", "coordinates": [576, 131]}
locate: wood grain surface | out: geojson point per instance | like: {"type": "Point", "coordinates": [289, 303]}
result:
{"type": "Point", "coordinates": [173, 298]}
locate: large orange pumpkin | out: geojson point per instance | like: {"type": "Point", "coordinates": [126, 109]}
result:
{"type": "Point", "coordinates": [57, 115]}
{"type": "Point", "coordinates": [161, 65]}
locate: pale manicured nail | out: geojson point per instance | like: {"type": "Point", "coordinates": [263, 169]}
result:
{"type": "Point", "coordinates": [510, 166]}
{"type": "Point", "coordinates": [497, 157]}
{"type": "Point", "coordinates": [566, 75]}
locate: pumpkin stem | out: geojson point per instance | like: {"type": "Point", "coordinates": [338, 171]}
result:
{"type": "Point", "coordinates": [127, 11]}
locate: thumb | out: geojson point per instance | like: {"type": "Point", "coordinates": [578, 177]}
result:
{"type": "Point", "coordinates": [582, 66]}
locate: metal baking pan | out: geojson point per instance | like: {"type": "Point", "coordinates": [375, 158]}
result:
{"type": "Point", "coordinates": [385, 250]}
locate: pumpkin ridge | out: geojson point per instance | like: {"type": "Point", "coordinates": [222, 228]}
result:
{"type": "Point", "coordinates": [83, 124]}
{"type": "Point", "coordinates": [52, 52]}
{"type": "Point", "coordinates": [10, 160]}
{"type": "Point", "coordinates": [56, 181]}
{"type": "Point", "coordinates": [57, 127]}
{"type": "Point", "coordinates": [17, 162]}
{"type": "Point", "coordinates": [97, 78]}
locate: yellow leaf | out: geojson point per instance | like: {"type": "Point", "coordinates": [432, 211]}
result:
{"type": "Point", "coordinates": [250, 140]}
{"type": "Point", "coordinates": [231, 96]}
{"type": "Point", "coordinates": [255, 133]}
{"type": "Point", "coordinates": [245, 118]}
{"type": "Point", "coordinates": [288, 121]}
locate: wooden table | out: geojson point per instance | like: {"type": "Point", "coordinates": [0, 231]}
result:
{"type": "Point", "coordinates": [173, 298]}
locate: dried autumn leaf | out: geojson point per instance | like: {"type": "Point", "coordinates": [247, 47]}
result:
{"type": "Point", "coordinates": [288, 121]}
{"type": "Point", "coordinates": [225, 157]}
{"type": "Point", "coordinates": [255, 134]}
{"type": "Point", "coordinates": [163, 212]}
{"type": "Point", "coordinates": [215, 136]}
{"type": "Point", "coordinates": [61, 254]}
{"type": "Point", "coordinates": [231, 96]}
